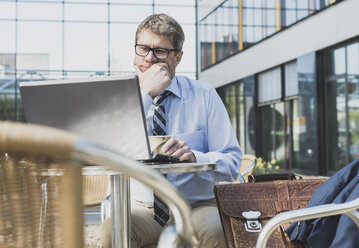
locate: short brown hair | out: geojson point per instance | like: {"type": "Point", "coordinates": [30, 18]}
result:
{"type": "Point", "coordinates": [162, 24]}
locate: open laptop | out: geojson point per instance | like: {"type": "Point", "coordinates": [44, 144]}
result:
{"type": "Point", "coordinates": [105, 110]}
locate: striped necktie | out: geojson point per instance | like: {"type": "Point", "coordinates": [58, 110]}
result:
{"type": "Point", "coordinates": [159, 115]}
{"type": "Point", "coordinates": [161, 211]}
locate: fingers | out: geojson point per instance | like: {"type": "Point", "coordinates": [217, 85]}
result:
{"type": "Point", "coordinates": [189, 156]}
{"type": "Point", "coordinates": [179, 149]}
{"type": "Point", "coordinates": [155, 79]}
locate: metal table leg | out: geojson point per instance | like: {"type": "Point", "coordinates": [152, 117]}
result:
{"type": "Point", "coordinates": [121, 211]}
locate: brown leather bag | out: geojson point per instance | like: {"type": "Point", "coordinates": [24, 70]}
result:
{"type": "Point", "coordinates": [246, 207]}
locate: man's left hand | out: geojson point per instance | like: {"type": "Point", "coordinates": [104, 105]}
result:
{"type": "Point", "coordinates": [178, 148]}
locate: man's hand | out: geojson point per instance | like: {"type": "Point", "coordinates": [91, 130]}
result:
{"type": "Point", "coordinates": [175, 147]}
{"type": "Point", "coordinates": [155, 79]}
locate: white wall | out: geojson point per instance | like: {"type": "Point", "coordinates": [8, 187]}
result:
{"type": "Point", "coordinates": [333, 25]}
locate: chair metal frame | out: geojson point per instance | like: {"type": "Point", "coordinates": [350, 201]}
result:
{"type": "Point", "coordinates": [248, 170]}
{"type": "Point", "coordinates": [34, 139]}
{"type": "Point", "coordinates": [348, 208]}
{"type": "Point", "coordinates": [180, 235]}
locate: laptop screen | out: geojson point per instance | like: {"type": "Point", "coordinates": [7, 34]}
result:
{"type": "Point", "coordinates": [106, 110]}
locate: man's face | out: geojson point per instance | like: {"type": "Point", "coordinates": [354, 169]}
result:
{"type": "Point", "coordinates": [153, 40]}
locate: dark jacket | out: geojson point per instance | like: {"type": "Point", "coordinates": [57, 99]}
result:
{"type": "Point", "coordinates": [336, 231]}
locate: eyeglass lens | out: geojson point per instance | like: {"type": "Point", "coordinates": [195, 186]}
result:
{"type": "Point", "coordinates": [160, 53]}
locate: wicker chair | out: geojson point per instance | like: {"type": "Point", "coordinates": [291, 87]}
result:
{"type": "Point", "coordinates": [41, 203]}
{"type": "Point", "coordinates": [41, 188]}
{"type": "Point", "coordinates": [248, 165]}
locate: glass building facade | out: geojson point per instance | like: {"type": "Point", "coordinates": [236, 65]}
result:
{"type": "Point", "coordinates": [236, 25]}
{"type": "Point", "coordinates": [303, 113]}
{"type": "Point", "coordinates": [53, 39]}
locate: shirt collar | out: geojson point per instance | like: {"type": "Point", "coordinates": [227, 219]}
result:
{"type": "Point", "coordinates": [174, 87]}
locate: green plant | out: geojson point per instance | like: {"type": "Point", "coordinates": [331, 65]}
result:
{"type": "Point", "coordinates": [264, 167]}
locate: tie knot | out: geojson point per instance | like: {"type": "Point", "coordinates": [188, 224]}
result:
{"type": "Point", "coordinates": [161, 97]}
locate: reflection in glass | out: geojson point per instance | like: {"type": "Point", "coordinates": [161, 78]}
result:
{"type": "Point", "coordinates": [258, 20]}
{"type": "Point", "coordinates": [353, 100]}
{"type": "Point", "coordinates": [7, 87]}
{"type": "Point", "coordinates": [238, 99]}
{"type": "Point", "coordinates": [272, 133]}
{"type": "Point", "coordinates": [305, 112]}
{"type": "Point", "coordinates": [342, 105]}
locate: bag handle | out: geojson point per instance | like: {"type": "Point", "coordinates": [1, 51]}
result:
{"type": "Point", "coordinates": [273, 177]}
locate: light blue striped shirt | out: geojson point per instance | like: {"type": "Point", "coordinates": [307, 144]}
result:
{"type": "Point", "coordinates": [195, 114]}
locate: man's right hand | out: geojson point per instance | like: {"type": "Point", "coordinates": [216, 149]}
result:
{"type": "Point", "coordinates": [155, 79]}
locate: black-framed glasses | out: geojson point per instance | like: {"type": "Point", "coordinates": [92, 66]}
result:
{"type": "Point", "coordinates": [159, 53]}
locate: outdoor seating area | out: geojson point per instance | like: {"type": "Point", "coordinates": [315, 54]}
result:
{"type": "Point", "coordinates": [41, 188]}
{"type": "Point", "coordinates": [41, 183]}
{"type": "Point", "coordinates": [179, 124]}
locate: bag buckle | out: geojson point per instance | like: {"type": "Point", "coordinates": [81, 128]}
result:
{"type": "Point", "coordinates": [252, 224]}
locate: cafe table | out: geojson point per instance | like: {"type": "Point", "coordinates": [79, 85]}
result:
{"type": "Point", "coordinates": [121, 198]}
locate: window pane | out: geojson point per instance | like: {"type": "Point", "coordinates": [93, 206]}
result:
{"type": "Point", "coordinates": [187, 66]}
{"type": "Point", "coordinates": [258, 17]}
{"type": "Point", "coordinates": [336, 118]}
{"type": "Point", "coordinates": [122, 47]}
{"type": "Point", "coordinates": [303, 4]}
{"type": "Point", "coordinates": [269, 85]}
{"type": "Point", "coordinates": [290, 4]}
{"type": "Point", "coordinates": [182, 2]}
{"type": "Point", "coordinates": [291, 79]}
{"type": "Point", "coordinates": [248, 115]}
{"type": "Point", "coordinates": [149, 2]}
{"type": "Point", "coordinates": [247, 3]}
{"type": "Point", "coordinates": [272, 129]}
{"type": "Point", "coordinates": [86, 46]}
{"type": "Point", "coordinates": [39, 46]}
{"type": "Point", "coordinates": [353, 59]}
{"type": "Point", "coordinates": [129, 13]}
{"type": "Point", "coordinates": [248, 17]}
{"type": "Point", "coordinates": [7, 90]}
{"type": "Point", "coordinates": [89, 12]}
{"type": "Point", "coordinates": [7, 40]}
{"type": "Point", "coordinates": [290, 17]}
{"type": "Point", "coordinates": [339, 61]}
{"type": "Point", "coordinates": [270, 3]}
{"type": "Point", "coordinates": [180, 14]}
{"type": "Point", "coordinates": [271, 19]}
{"type": "Point", "coordinates": [302, 14]}
{"type": "Point", "coordinates": [87, 1]}
{"type": "Point", "coordinates": [353, 99]}
{"type": "Point", "coordinates": [305, 122]}
{"type": "Point", "coordinates": [7, 10]}
{"type": "Point", "coordinates": [40, 11]}
{"type": "Point", "coordinates": [257, 34]}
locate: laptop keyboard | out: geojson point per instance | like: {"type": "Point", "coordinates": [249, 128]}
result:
{"type": "Point", "coordinates": [161, 158]}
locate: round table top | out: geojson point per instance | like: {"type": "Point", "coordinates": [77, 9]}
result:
{"type": "Point", "coordinates": [162, 168]}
